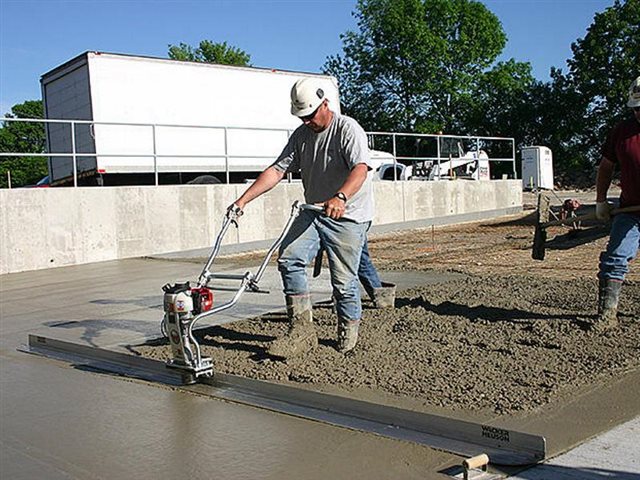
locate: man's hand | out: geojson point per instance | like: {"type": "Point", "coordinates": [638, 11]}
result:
{"type": "Point", "coordinates": [334, 208]}
{"type": "Point", "coordinates": [234, 211]}
{"type": "Point", "coordinates": [603, 211]}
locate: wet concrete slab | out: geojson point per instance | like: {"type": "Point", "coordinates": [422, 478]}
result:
{"type": "Point", "coordinates": [64, 422]}
{"type": "Point", "coordinates": [67, 423]}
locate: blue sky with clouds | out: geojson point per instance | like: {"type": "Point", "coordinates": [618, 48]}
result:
{"type": "Point", "coordinates": [38, 35]}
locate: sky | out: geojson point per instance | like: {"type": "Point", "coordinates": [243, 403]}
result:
{"type": "Point", "coordinates": [38, 35]}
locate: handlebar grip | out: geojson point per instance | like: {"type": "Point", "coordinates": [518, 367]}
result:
{"type": "Point", "coordinates": [234, 211]}
{"type": "Point", "coordinates": [312, 207]}
{"type": "Point", "coordinates": [476, 462]}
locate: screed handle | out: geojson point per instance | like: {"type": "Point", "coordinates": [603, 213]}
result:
{"type": "Point", "coordinates": [478, 461]}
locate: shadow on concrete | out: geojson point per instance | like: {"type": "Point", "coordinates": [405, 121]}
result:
{"type": "Point", "coordinates": [554, 472]}
{"type": "Point", "coordinates": [328, 305]}
{"type": "Point", "coordinates": [576, 237]}
{"type": "Point", "coordinates": [480, 312]}
{"type": "Point", "coordinates": [94, 328]}
{"type": "Point", "coordinates": [228, 339]}
{"type": "Point", "coordinates": [151, 302]}
{"type": "Point", "coordinates": [557, 472]}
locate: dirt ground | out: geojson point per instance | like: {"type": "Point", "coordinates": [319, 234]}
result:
{"type": "Point", "coordinates": [506, 337]}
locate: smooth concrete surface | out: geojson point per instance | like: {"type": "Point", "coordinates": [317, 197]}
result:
{"type": "Point", "coordinates": [54, 227]}
{"type": "Point", "coordinates": [612, 455]}
{"type": "Point", "coordinates": [61, 422]}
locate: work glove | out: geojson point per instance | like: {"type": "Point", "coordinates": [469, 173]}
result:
{"type": "Point", "coordinates": [603, 211]}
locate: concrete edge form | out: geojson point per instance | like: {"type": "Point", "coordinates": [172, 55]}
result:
{"type": "Point", "coordinates": [504, 447]}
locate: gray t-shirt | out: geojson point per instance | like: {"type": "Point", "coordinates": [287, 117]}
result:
{"type": "Point", "coordinates": [325, 160]}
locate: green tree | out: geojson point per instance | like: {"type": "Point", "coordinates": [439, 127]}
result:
{"type": "Point", "coordinates": [210, 52]}
{"type": "Point", "coordinates": [604, 63]}
{"type": "Point", "coordinates": [417, 65]}
{"type": "Point", "coordinates": [23, 137]}
{"type": "Point", "coordinates": [574, 111]}
{"type": "Point", "coordinates": [500, 101]}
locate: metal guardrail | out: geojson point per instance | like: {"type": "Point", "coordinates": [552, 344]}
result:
{"type": "Point", "coordinates": [439, 140]}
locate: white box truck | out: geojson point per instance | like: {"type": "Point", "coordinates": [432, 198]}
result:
{"type": "Point", "coordinates": [184, 120]}
{"type": "Point", "coordinates": [537, 168]}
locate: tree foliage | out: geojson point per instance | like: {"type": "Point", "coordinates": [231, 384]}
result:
{"type": "Point", "coordinates": [417, 65]}
{"type": "Point", "coordinates": [23, 137]}
{"type": "Point", "coordinates": [500, 101]}
{"type": "Point", "coordinates": [210, 52]}
{"type": "Point", "coordinates": [429, 65]}
{"type": "Point", "coordinates": [604, 63]}
{"type": "Point", "coordinates": [574, 111]}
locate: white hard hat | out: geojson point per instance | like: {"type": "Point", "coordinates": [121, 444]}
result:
{"type": "Point", "coordinates": [306, 97]}
{"type": "Point", "coordinates": [634, 94]}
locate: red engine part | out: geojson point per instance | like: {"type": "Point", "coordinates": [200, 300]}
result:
{"type": "Point", "coordinates": [202, 299]}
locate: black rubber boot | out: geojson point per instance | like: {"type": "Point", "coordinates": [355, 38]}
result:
{"type": "Point", "coordinates": [301, 336]}
{"type": "Point", "coordinates": [608, 297]}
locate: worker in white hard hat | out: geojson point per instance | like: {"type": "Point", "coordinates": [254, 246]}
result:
{"type": "Point", "coordinates": [331, 153]}
{"type": "Point", "coordinates": [621, 149]}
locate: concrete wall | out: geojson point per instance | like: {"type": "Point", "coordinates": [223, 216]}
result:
{"type": "Point", "coordinates": [43, 228]}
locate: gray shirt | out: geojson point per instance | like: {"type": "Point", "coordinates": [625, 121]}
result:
{"type": "Point", "coordinates": [325, 161]}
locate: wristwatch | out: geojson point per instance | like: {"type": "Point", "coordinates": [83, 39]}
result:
{"type": "Point", "coordinates": [341, 196]}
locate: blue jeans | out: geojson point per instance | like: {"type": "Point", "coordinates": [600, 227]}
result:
{"type": "Point", "coordinates": [367, 273]}
{"type": "Point", "coordinates": [624, 242]}
{"type": "Point", "coordinates": [342, 240]}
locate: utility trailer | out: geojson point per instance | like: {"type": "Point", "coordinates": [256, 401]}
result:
{"type": "Point", "coordinates": [138, 120]}
{"type": "Point", "coordinates": [469, 164]}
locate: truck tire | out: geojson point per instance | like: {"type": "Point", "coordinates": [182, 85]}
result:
{"type": "Point", "coordinates": [204, 180]}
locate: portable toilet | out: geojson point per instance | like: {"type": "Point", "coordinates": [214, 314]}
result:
{"type": "Point", "coordinates": [537, 168]}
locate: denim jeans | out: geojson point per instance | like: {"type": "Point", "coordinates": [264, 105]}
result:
{"type": "Point", "coordinates": [624, 241]}
{"type": "Point", "coordinates": [367, 273]}
{"type": "Point", "coordinates": [342, 240]}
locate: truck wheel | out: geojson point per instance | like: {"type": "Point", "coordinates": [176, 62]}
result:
{"type": "Point", "coordinates": [204, 180]}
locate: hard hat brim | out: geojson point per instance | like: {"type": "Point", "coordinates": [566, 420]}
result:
{"type": "Point", "coordinates": [305, 111]}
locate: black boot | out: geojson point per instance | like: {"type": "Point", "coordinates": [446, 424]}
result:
{"type": "Point", "coordinates": [608, 297]}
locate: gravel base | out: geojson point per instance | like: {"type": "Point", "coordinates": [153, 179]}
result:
{"type": "Point", "coordinates": [495, 343]}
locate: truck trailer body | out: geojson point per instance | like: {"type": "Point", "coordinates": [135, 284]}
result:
{"type": "Point", "coordinates": [181, 119]}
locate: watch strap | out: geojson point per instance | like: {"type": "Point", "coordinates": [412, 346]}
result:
{"type": "Point", "coordinates": [341, 196]}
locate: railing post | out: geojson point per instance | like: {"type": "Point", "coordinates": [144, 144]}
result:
{"type": "Point", "coordinates": [155, 155]}
{"type": "Point", "coordinates": [74, 156]}
{"type": "Point", "coordinates": [513, 158]}
{"type": "Point", "coordinates": [226, 155]}
{"type": "Point", "coordinates": [477, 139]}
{"type": "Point", "coordinates": [395, 160]}
{"type": "Point", "coordinates": [438, 151]}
